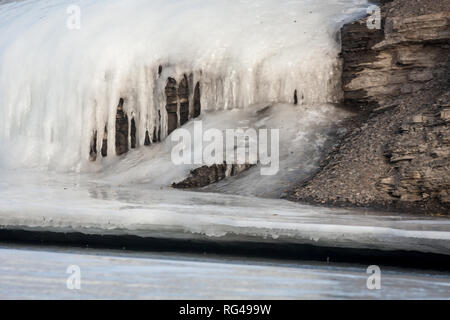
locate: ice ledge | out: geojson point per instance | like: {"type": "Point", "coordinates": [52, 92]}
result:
{"type": "Point", "coordinates": [224, 219]}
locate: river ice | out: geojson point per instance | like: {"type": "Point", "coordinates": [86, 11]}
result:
{"type": "Point", "coordinates": [72, 204]}
{"type": "Point", "coordinates": [40, 273]}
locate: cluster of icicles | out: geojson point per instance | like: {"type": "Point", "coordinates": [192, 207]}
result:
{"type": "Point", "coordinates": [134, 70]}
{"type": "Point", "coordinates": [182, 103]}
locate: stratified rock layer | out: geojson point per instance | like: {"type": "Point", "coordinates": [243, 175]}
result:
{"type": "Point", "coordinates": [420, 155]}
{"type": "Point", "coordinates": [121, 130]}
{"type": "Point", "coordinates": [395, 154]}
{"type": "Point", "coordinates": [395, 61]}
{"type": "Point", "coordinates": [207, 175]}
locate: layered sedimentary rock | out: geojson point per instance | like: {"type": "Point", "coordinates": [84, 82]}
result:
{"type": "Point", "coordinates": [121, 130]}
{"type": "Point", "coordinates": [104, 149]}
{"type": "Point", "coordinates": [395, 153]}
{"type": "Point", "coordinates": [183, 100]}
{"type": "Point", "coordinates": [419, 154]}
{"type": "Point", "coordinates": [197, 102]}
{"type": "Point", "coordinates": [178, 102]}
{"type": "Point", "coordinates": [171, 105]}
{"type": "Point", "coordinates": [207, 175]}
{"type": "Point", "coordinates": [93, 148]}
{"type": "Point", "coordinates": [400, 58]}
{"type": "Point", "coordinates": [133, 134]}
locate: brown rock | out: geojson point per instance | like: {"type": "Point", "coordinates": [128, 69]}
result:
{"type": "Point", "coordinates": [206, 175]}
{"type": "Point", "coordinates": [396, 152]}
{"type": "Point", "coordinates": [121, 129]}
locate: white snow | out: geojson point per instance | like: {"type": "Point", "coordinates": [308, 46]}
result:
{"type": "Point", "coordinates": [58, 85]}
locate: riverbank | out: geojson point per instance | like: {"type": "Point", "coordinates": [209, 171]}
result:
{"type": "Point", "coordinates": [80, 213]}
{"type": "Point", "coordinates": [395, 154]}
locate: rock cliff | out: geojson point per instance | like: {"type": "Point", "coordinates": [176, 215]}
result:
{"type": "Point", "coordinates": [396, 152]}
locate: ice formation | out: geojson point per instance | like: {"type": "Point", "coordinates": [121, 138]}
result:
{"type": "Point", "coordinates": [61, 82]}
{"type": "Point", "coordinates": [42, 204]}
{"type": "Point", "coordinates": [70, 69]}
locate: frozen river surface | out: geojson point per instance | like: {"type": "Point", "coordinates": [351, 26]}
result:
{"type": "Point", "coordinates": [98, 209]}
{"type": "Point", "coordinates": [92, 208]}
{"type": "Point", "coordinates": [40, 273]}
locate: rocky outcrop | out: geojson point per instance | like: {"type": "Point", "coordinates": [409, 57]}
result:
{"type": "Point", "coordinates": [104, 149]}
{"type": "Point", "coordinates": [121, 129]}
{"type": "Point", "coordinates": [420, 155]}
{"type": "Point", "coordinates": [197, 102]}
{"type": "Point", "coordinates": [133, 134]}
{"type": "Point", "coordinates": [178, 102]}
{"type": "Point", "coordinates": [207, 175]}
{"type": "Point", "coordinates": [183, 100]}
{"type": "Point", "coordinates": [171, 105]}
{"type": "Point", "coordinates": [93, 147]}
{"type": "Point", "coordinates": [395, 154]}
{"type": "Point", "coordinates": [380, 65]}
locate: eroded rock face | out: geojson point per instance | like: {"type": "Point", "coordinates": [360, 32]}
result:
{"type": "Point", "coordinates": [207, 175]}
{"type": "Point", "coordinates": [183, 99]}
{"type": "Point", "coordinates": [395, 154]}
{"type": "Point", "coordinates": [197, 102]}
{"type": "Point", "coordinates": [177, 102]}
{"type": "Point", "coordinates": [420, 156]}
{"type": "Point", "coordinates": [380, 65]}
{"type": "Point", "coordinates": [147, 141]}
{"type": "Point", "coordinates": [171, 105]}
{"type": "Point", "coordinates": [121, 130]}
{"type": "Point", "coordinates": [104, 150]}
{"type": "Point", "coordinates": [93, 148]}
{"type": "Point", "coordinates": [133, 134]}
